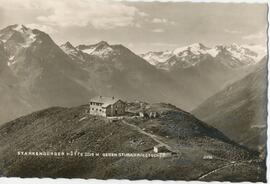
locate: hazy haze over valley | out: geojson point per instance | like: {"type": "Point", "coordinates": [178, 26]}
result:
{"type": "Point", "coordinates": [42, 74]}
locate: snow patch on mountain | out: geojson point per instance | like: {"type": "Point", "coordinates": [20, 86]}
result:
{"type": "Point", "coordinates": [4, 40]}
{"type": "Point", "coordinates": [213, 52]}
{"type": "Point", "coordinates": [11, 60]}
{"type": "Point", "coordinates": [30, 38]}
{"type": "Point", "coordinates": [89, 51]}
{"type": "Point", "coordinates": [103, 52]}
{"type": "Point", "coordinates": [11, 63]}
{"type": "Point", "coordinates": [98, 52]}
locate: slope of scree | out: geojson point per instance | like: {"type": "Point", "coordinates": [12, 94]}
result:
{"type": "Point", "coordinates": [70, 129]}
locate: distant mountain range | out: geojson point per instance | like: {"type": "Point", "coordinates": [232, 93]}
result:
{"type": "Point", "coordinates": [231, 56]}
{"type": "Point", "coordinates": [37, 73]}
{"type": "Point", "coordinates": [204, 71]}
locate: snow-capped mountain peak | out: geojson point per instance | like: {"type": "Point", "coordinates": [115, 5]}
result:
{"type": "Point", "coordinates": [20, 42]}
{"type": "Point", "coordinates": [196, 48]}
{"type": "Point", "coordinates": [260, 50]}
{"type": "Point", "coordinates": [102, 44]}
{"type": "Point", "coordinates": [15, 28]}
{"type": "Point", "coordinates": [245, 54]}
{"type": "Point", "coordinates": [67, 45]}
{"type": "Point", "coordinates": [187, 55]}
{"type": "Point", "coordinates": [20, 28]}
{"type": "Point", "coordinates": [101, 49]}
{"type": "Point", "coordinates": [72, 52]}
{"type": "Point", "coordinates": [19, 33]}
{"type": "Point", "coordinates": [231, 56]}
{"type": "Point", "coordinates": [89, 48]}
{"type": "Point", "coordinates": [155, 58]}
{"type": "Point", "coordinates": [69, 48]}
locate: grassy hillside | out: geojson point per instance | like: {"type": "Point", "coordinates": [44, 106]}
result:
{"type": "Point", "coordinates": [240, 110]}
{"type": "Point", "coordinates": [71, 129]}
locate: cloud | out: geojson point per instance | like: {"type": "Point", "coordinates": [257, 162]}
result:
{"type": "Point", "coordinates": [17, 5]}
{"type": "Point", "coordinates": [137, 25]}
{"type": "Point", "coordinates": [232, 31]}
{"type": "Point", "coordinates": [130, 45]}
{"type": "Point", "coordinates": [258, 35]}
{"type": "Point", "coordinates": [101, 14]}
{"type": "Point", "coordinates": [163, 21]}
{"type": "Point", "coordinates": [44, 28]}
{"type": "Point", "coordinates": [158, 30]}
{"type": "Point", "coordinates": [164, 44]}
{"type": "Point", "coordinates": [157, 20]}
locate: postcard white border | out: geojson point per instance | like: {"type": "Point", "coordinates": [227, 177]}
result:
{"type": "Point", "coordinates": [113, 181]}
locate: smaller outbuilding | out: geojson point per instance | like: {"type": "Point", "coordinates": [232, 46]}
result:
{"type": "Point", "coordinates": [208, 157]}
{"type": "Point", "coordinates": [160, 148]}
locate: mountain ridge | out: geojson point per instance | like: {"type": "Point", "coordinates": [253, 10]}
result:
{"type": "Point", "coordinates": [238, 54]}
{"type": "Point", "coordinates": [246, 100]}
{"type": "Point", "coordinates": [49, 75]}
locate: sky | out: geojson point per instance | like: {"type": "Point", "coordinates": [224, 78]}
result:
{"type": "Point", "coordinates": [140, 26]}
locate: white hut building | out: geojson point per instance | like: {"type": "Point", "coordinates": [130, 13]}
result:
{"type": "Point", "coordinates": [107, 106]}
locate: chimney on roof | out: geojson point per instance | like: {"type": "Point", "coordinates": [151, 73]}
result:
{"type": "Point", "coordinates": [100, 96]}
{"type": "Point", "coordinates": [113, 97]}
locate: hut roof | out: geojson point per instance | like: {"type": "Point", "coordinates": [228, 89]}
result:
{"type": "Point", "coordinates": [105, 101]}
